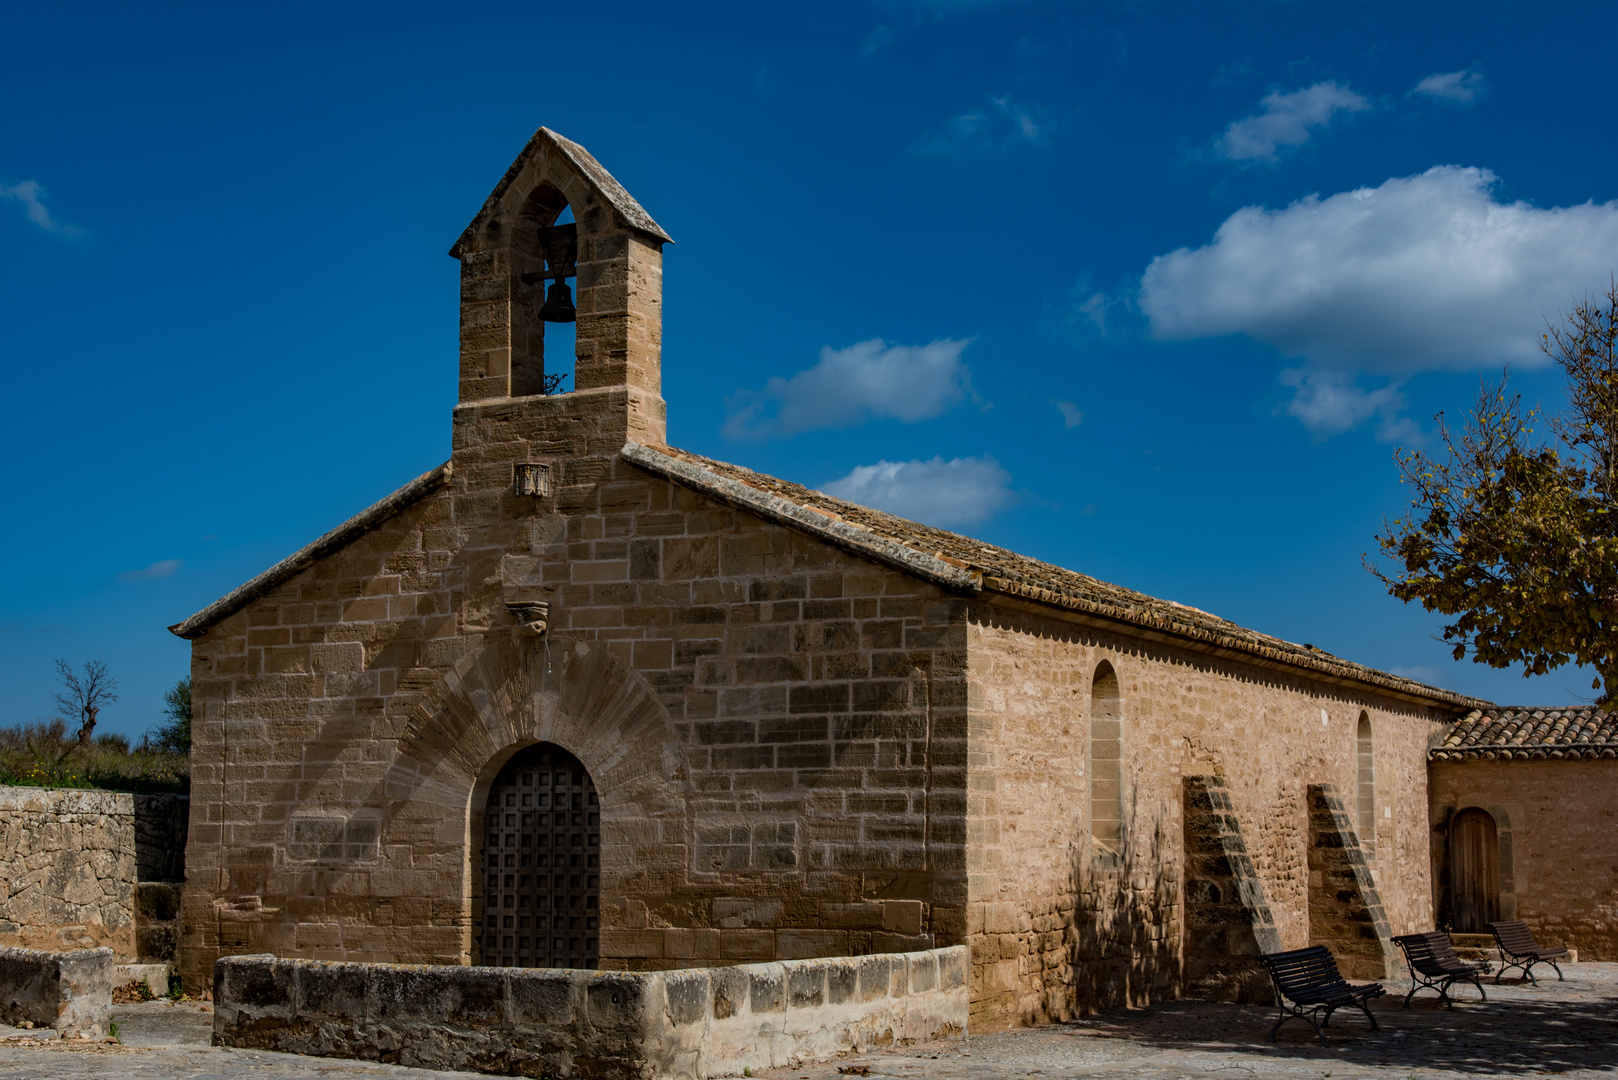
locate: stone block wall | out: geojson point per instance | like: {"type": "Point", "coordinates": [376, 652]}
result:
{"type": "Point", "coordinates": [161, 822]}
{"type": "Point", "coordinates": [67, 870]}
{"type": "Point", "coordinates": [691, 1023]}
{"type": "Point", "coordinates": [1228, 923]}
{"type": "Point", "coordinates": [776, 728]}
{"type": "Point", "coordinates": [1345, 908]}
{"type": "Point", "coordinates": [68, 991]}
{"type": "Point", "coordinates": [1558, 845]}
{"type": "Point", "coordinates": [157, 921]}
{"type": "Point", "coordinates": [1077, 929]}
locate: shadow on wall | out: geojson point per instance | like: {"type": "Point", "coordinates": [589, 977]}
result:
{"type": "Point", "coordinates": [1228, 922]}
{"type": "Point", "coordinates": [1129, 919]}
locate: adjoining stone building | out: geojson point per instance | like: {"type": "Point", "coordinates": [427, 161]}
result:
{"type": "Point", "coordinates": [1524, 807]}
{"type": "Point", "coordinates": [577, 698]}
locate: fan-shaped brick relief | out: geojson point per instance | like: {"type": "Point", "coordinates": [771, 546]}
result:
{"type": "Point", "coordinates": [515, 693]}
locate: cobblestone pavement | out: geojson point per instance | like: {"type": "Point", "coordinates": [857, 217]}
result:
{"type": "Point", "coordinates": [1557, 1027]}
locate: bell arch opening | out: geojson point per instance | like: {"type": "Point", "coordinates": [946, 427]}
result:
{"type": "Point", "coordinates": [1106, 761]}
{"type": "Point", "coordinates": [1366, 789]}
{"type": "Point", "coordinates": [540, 864]}
{"type": "Point", "coordinates": [544, 248]}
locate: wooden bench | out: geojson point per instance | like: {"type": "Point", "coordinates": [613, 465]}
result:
{"type": "Point", "coordinates": [1307, 983]}
{"type": "Point", "coordinates": [1433, 963]}
{"type": "Point", "coordinates": [1518, 949]}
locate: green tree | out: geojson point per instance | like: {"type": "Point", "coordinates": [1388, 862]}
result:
{"type": "Point", "coordinates": [1513, 525]}
{"type": "Point", "coordinates": [174, 733]}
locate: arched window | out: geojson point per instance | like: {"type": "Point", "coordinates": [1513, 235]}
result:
{"type": "Point", "coordinates": [1367, 787]}
{"type": "Point", "coordinates": [1106, 760]}
{"type": "Point", "coordinates": [541, 864]}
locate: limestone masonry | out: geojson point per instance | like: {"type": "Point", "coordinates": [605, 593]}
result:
{"type": "Point", "coordinates": [1539, 789]}
{"type": "Point", "coordinates": [577, 698]}
{"type": "Point", "coordinates": [82, 869]}
{"type": "Point", "coordinates": [67, 870]}
{"type": "Point", "coordinates": [680, 1025]}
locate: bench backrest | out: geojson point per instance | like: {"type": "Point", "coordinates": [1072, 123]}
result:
{"type": "Point", "coordinates": [1514, 936]}
{"type": "Point", "coordinates": [1303, 969]}
{"type": "Point", "coordinates": [1429, 953]}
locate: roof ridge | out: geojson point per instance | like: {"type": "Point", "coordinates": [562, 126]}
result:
{"type": "Point", "coordinates": [616, 195]}
{"type": "Point", "coordinates": [883, 537]}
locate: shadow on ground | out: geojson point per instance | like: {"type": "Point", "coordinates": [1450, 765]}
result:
{"type": "Point", "coordinates": [1556, 1026]}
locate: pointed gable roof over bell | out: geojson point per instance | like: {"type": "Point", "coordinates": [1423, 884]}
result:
{"type": "Point", "coordinates": [591, 170]}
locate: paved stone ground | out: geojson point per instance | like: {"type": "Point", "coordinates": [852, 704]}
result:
{"type": "Point", "coordinates": [1567, 1028]}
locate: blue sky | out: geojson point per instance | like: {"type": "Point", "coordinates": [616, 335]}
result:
{"type": "Point", "coordinates": [1148, 289]}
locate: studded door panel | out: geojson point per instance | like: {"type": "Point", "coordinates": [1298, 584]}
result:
{"type": "Point", "coordinates": [541, 864]}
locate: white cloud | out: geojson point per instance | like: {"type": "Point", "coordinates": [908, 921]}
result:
{"type": "Point", "coordinates": [961, 491]}
{"type": "Point", "coordinates": [868, 380]}
{"type": "Point", "coordinates": [1002, 125]}
{"type": "Point", "coordinates": [1421, 273]}
{"type": "Point", "coordinates": [1330, 402]}
{"type": "Point", "coordinates": [876, 40]}
{"type": "Point", "coordinates": [1420, 673]}
{"type": "Point", "coordinates": [1095, 309]}
{"type": "Point", "coordinates": [1460, 87]}
{"type": "Point", "coordinates": [27, 193]}
{"type": "Point", "coordinates": [1286, 120]}
{"type": "Point", "coordinates": [160, 569]}
{"type": "Point", "coordinates": [1071, 416]}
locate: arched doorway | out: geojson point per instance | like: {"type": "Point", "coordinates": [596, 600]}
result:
{"type": "Point", "coordinates": [541, 864]}
{"type": "Point", "coordinates": [1474, 870]}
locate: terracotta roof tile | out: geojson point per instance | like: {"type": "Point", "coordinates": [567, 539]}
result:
{"type": "Point", "coordinates": [1522, 733]}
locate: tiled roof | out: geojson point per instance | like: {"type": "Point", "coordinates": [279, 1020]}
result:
{"type": "Point", "coordinates": [1520, 734]}
{"type": "Point", "coordinates": [977, 565]}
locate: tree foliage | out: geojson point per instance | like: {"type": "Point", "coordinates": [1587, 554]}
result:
{"type": "Point", "coordinates": [1513, 526]}
{"type": "Point", "coordinates": [173, 735]}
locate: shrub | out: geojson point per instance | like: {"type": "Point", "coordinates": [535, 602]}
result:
{"type": "Point", "coordinates": [38, 755]}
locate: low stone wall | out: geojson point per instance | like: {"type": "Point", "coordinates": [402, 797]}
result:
{"type": "Point", "coordinates": [75, 867]}
{"type": "Point", "coordinates": [67, 869]}
{"type": "Point", "coordinates": [69, 991]}
{"type": "Point", "coordinates": [684, 1024]}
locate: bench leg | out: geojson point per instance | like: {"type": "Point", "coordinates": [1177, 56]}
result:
{"type": "Point", "coordinates": [1365, 1007]}
{"type": "Point", "coordinates": [1299, 1014]}
{"type": "Point", "coordinates": [1477, 982]}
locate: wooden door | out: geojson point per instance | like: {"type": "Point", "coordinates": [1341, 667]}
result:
{"type": "Point", "coordinates": [542, 864]}
{"type": "Point", "coordinates": [1474, 871]}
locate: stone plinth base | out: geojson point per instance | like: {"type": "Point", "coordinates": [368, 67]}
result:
{"type": "Point", "coordinates": [687, 1024]}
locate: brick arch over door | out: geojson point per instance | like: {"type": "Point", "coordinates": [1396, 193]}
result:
{"type": "Point", "coordinates": [511, 694]}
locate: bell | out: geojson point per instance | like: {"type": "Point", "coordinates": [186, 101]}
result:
{"type": "Point", "coordinates": [558, 306]}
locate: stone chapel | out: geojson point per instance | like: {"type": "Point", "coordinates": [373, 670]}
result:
{"type": "Point", "coordinates": [577, 698]}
